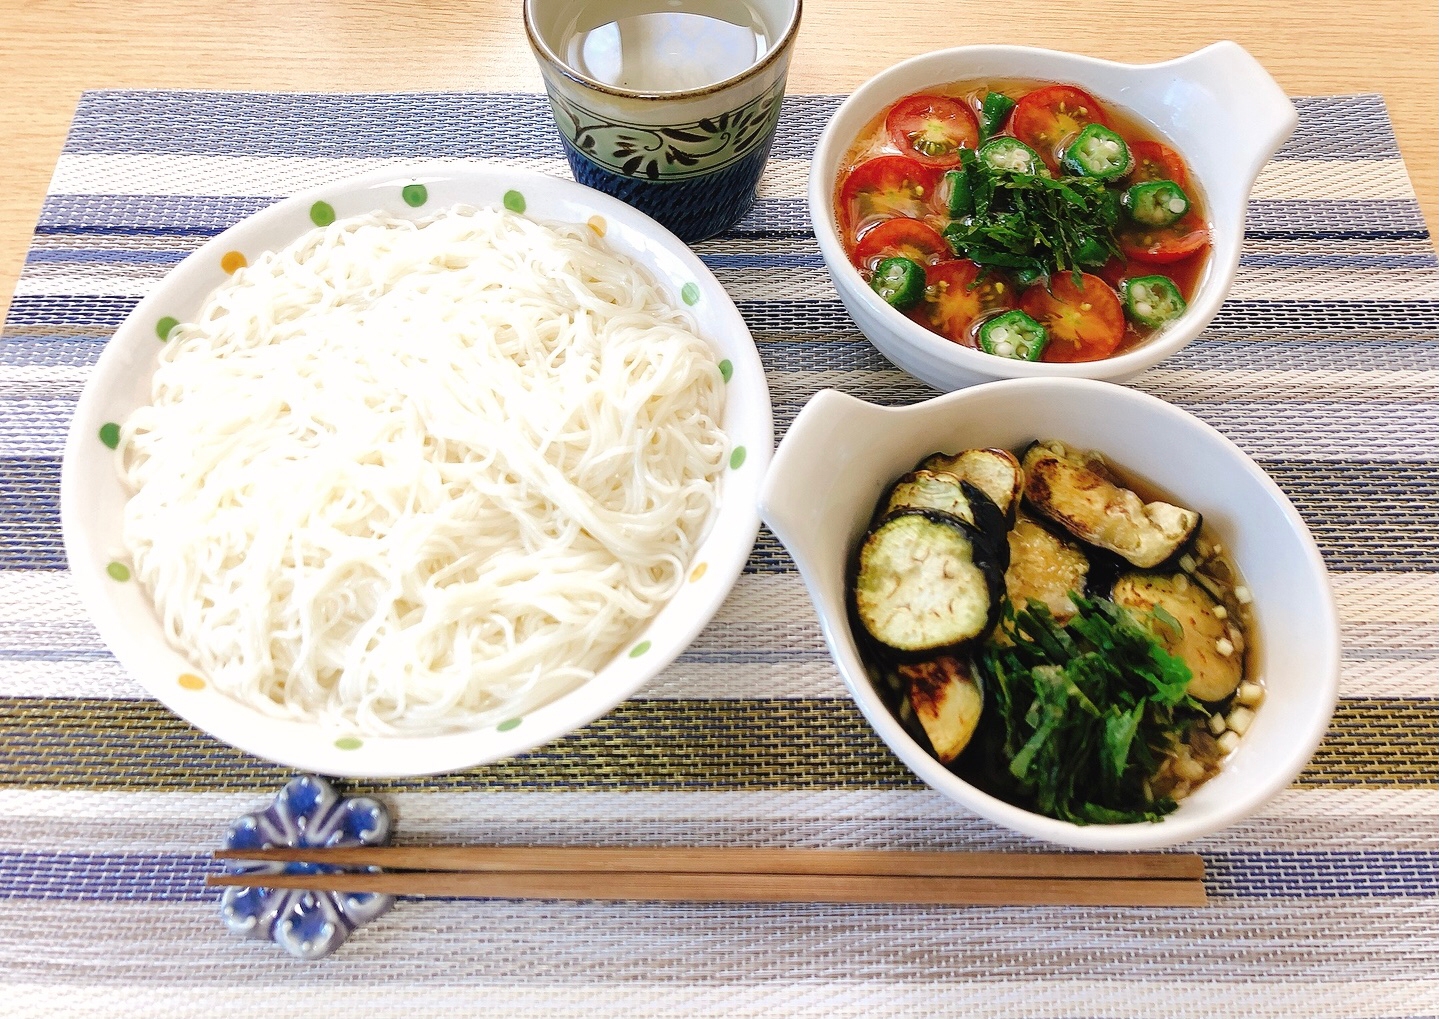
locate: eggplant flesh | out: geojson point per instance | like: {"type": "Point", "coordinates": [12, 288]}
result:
{"type": "Point", "coordinates": [1066, 489]}
{"type": "Point", "coordinates": [1197, 642]}
{"type": "Point", "coordinates": [995, 472]}
{"type": "Point", "coordinates": [931, 490]}
{"type": "Point", "coordinates": [947, 701]}
{"type": "Point", "coordinates": [926, 582]}
{"type": "Point", "coordinates": [1044, 567]}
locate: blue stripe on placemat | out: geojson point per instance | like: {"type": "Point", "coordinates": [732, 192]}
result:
{"type": "Point", "coordinates": [804, 317]}
{"type": "Point", "coordinates": [1341, 127]}
{"type": "Point", "coordinates": [1216, 350]}
{"type": "Point", "coordinates": [127, 877]}
{"type": "Point", "coordinates": [435, 124]}
{"type": "Point", "coordinates": [1317, 219]}
{"type": "Point", "coordinates": [73, 654]}
{"type": "Point", "coordinates": [23, 350]}
{"type": "Point", "coordinates": [145, 215]}
{"type": "Point", "coordinates": [411, 125]}
{"type": "Point", "coordinates": [1299, 318]}
{"type": "Point", "coordinates": [498, 125]}
{"type": "Point", "coordinates": [86, 311]}
{"type": "Point", "coordinates": [771, 218]}
{"type": "Point", "coordinates": [78, 255]}
{"type": "Point", "coordinates": [102, 256]}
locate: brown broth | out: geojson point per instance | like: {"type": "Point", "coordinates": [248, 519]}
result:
{"type": "Point", "coordinates": [1197, 744]}
{"type": "Point", "coordinates": [1186, 273]}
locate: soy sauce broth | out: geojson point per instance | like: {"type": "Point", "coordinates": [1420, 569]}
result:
{"type": "Point", "coordinates": [874, 140]}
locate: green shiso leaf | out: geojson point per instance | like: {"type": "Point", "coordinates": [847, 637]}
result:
{"type": "Point", "coordinates": [1089, 709]}
{"type": "Point", "coordinates": [1033, 223]}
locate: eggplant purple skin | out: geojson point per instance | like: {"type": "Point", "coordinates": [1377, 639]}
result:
{"type": "Point", "coordinates": [990, 520]}
{"type": "Point", "coordinates": [942, 462]}
{"type": "Point", "coordinates": [990, 557]}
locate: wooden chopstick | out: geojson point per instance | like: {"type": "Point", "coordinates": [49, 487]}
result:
{"type": "Point", "coordinates": [689, 860]}
{"type": "Point", "coordinates": [743, 875]}
{"type": "Point", "coordinates": [736, 887]}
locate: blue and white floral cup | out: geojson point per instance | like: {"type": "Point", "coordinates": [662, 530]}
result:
{"type": "Point", "coordinates": [689, 156]}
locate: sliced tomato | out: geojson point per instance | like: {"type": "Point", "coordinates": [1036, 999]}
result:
{"type": "Point", "coordinates": [886, 187]}
{"type": "Point", "coordinates": [955, 299]}
{"type": "Point", "coordinates": [932, 129]}
{"type": "Point", "coordinates": [1165, 244]}
{"type": "Point", "coordinates": [907, 238]}
{"type": "Point", "coordinates": [1153, 161]}
{"type": "Point", "coordinates": [1048, 117]}
{"type": "Point", "coordinates": [1085, 321]}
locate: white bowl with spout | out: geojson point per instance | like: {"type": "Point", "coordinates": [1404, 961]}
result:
{"type": "Point", "coordinates": [1217, 107]}
{"type": "Point", "coordinates": [820, 513]}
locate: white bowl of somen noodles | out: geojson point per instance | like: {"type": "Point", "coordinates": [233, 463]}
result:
{"type": "Point", "coordinates": [416, 471]}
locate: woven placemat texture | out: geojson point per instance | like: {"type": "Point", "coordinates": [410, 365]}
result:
{"type": "Point", "coordinates": [1322, 365]}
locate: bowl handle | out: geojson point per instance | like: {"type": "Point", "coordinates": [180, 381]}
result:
{"type": "Point", "coordinates": [1259, 117]}
{"type": "Point", "coordinates": [832, 431]}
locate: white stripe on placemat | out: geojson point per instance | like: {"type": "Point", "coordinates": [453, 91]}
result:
{"type": "Point", "coordinates": [277, 176]}
{"type": "Point", "coordinates": [502, 958]}
{"type": "Point", "coordinates": [822, 992]}
{"type": "Point", "coordinates": [763, 642]}
{"type": "Point", "coordinates": [809, 677]}
{"type": "Point", "coordinates": [119, 822]}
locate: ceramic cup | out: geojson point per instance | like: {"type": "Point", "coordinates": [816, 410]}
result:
{"type": "Point", "coordinates": [688, 154]}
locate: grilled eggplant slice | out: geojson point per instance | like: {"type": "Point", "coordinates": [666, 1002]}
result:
{"type": "Point", "coordinates": [927, 582]}
{"type": "Point", "coordinates": [932, 490]}
{"type": "Point", "coordinates": [995, 472]}
{"type": "Point", "coordinates": [1201, 631]}
{"type": "Point", "coordinates": [947, 700]}
{"type": "Point", "coordinates": [937, 490]}
{"type": "Point", "coordinates": [1065, 488]}
{"type": "Point", "coordinates": [1044, 567]}
{"type": "Point", "coordinates": [893, 689]}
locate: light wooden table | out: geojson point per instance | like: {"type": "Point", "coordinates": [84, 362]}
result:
{"type": "Point", "coordinates": [51, 50]}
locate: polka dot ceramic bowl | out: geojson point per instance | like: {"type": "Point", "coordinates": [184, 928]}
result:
{"type": "Point", "coordinates": [92, 496]}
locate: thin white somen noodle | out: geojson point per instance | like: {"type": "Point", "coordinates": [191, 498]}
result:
{"type": "Point", "coordinates": [408, 478]}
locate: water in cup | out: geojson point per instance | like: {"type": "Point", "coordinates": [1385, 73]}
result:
{"type": "Point", "coordinates": [664, 47]}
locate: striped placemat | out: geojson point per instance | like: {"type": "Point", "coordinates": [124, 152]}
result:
{"type": "Point", "coordinates": [1323, 365]}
